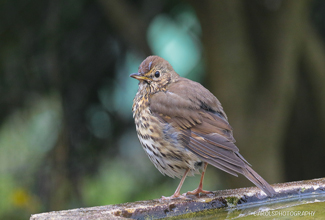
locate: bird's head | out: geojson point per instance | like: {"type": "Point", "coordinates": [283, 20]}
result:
{"type": "Point", "coordinates": [156, 73]}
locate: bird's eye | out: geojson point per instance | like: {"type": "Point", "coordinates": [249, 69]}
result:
{"type": "Point", "coordinates": [157, 74]}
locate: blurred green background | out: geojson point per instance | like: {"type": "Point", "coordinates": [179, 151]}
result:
{"type": "Point", "coordinates": [67, 137]}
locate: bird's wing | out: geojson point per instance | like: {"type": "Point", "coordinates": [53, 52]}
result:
{"type": "Point", "coordinates": [198, 117]}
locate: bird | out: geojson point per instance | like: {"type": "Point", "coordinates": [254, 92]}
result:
{"type": "Point", "coordinates": [182, 127]}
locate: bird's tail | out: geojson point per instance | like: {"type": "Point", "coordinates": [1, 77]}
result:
{"type": "Point", "coordinates": [250, 174]}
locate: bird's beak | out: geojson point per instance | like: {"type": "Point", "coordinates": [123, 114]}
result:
{"type": "Point", "coordinates": [138, 76]}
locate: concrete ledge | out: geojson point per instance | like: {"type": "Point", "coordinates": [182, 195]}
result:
{"type": "Point", "coordinates": [153, 209]}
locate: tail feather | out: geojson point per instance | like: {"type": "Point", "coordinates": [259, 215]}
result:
{"type": "Point", "coordinates": [250, 174]}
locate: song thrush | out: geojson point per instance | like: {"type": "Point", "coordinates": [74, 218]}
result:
{"type": "Point", "coordinates": [183, 128]}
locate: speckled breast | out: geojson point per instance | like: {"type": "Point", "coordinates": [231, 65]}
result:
{"type": "Point", "coordinates": [162, 148]}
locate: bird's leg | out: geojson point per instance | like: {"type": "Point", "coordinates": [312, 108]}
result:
{"type": "Point", "coordinates": [177, 192]}
{"type": "Point", "coordinates": [199, 189]}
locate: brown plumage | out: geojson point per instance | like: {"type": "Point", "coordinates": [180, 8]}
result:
{"type": "Point", "coordinates": [182, 127]}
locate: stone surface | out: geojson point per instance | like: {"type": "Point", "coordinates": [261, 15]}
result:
{"type": "Point", "coordinates": [157, 208]}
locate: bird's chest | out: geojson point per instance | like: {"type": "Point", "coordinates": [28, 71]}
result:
{"type": "Point", "coordinates": [148, 127]}
{"type": "Point", "coordinates": [160, 141]}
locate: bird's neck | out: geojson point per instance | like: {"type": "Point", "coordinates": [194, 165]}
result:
{"type": "Point", "coordinates": [141, 100]}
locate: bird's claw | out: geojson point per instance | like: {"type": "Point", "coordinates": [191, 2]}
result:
{"type": "Point", "coordinates": [174, 197]}
{"type": "Point", "coordinates": [197, 192]}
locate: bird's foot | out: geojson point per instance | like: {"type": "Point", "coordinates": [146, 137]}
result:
{"type": "Point", "coordinates": [175, 196]}
{"type": "Point", "coordinates": [197, 192]}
